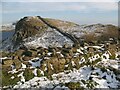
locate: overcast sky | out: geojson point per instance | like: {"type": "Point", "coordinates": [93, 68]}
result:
{"type": "Point", "coordinates": [87, 12]}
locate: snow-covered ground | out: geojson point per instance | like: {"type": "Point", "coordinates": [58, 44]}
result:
{"type": "Point", "coordinates": [103, 79]}
{"type": "Point", "coordinates": [85, 75]}
{"type": "Point", "coordinates": [36, 63]}
{"type": "Point", "coordinates": [49, 38]}
{"type": "Point", "coordinates": [80, 30]}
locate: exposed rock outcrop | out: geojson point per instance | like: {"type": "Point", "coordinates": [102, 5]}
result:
{"type": "Point", "coordinates": [27, 27]}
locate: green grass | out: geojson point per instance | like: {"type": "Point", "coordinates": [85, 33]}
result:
{"type": "Point", "coordinates": [73, 85]}
{"type": "Point", "coordinates": [90, 84]}
{"type": "Point", "coordinates": [6, 79]}
{"type": "Point", "coordinates": [112, 57]}
{"type": "Point", "coordinates": [39, 73]}
{"type": "Point", "coordinates": [28, 74]}
{"type": "Point", "coordinates": [96, 61]}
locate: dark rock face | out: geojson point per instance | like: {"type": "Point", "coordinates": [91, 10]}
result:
{"type": "Point", "coordinates": [27, 27]}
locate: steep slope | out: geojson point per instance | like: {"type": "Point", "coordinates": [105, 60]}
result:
{"type": "Point", "coordinates": [74, 39]}
{"type": "Point", "coordinates": [34, 32]}
{"type": "Point", "coordinates": [27, 27]}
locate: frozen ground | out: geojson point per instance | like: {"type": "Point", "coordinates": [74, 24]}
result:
{"type": "Point", "coordinates": [99, 79]}
{"type": "Point", "coordinates": [87, 76]}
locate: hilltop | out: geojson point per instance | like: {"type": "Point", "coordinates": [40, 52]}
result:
{"type": "Point", "coordinates": [35, 31]}
{"type": "Point", "coordinates": [49, 53]}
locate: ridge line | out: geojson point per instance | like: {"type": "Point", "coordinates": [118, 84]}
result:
{"type": "Point", "coordinates": [71, 37]}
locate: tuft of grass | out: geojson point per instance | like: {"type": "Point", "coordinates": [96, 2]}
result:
{"type": "Point", "coordinates": [6, 79]}
{"type": "Point", "coordinates": [95, 62]}
{"type": "Point", "coordinates": [39, 73]}
{"type": "Point", "coordinates": [90, 84]}
{"type": "Point", "coordinates": [73, 85]}
{"type": "Point", "coordinates": [28, 74]}
{"type": "Point", "coordinates": [112, 56]}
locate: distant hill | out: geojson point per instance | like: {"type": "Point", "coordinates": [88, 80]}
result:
{"type": "Point", "coordinates": [35, 31]}
{"type": "Point", "coordinates": [7, 27]}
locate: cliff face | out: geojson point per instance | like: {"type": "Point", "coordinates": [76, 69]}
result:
{"type": "Point", "coordinates": [27, 27]}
